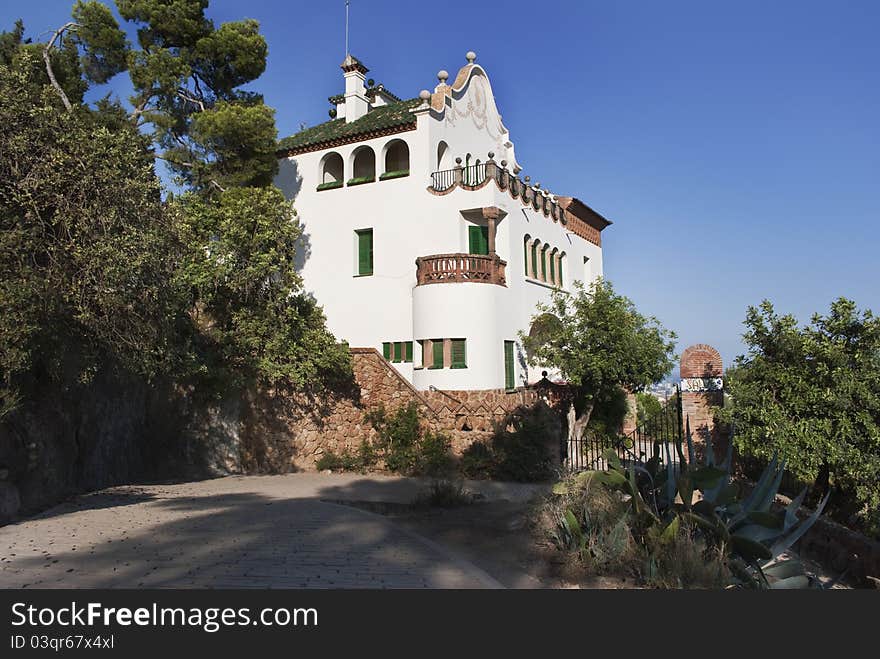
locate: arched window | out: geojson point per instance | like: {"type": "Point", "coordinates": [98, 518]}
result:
{"type": "Point", "coordinates": [562, 261]}
{"type": "Point", "coordinates": [526, 240]}
{"type": "Point", "coordinates": [542, 330]}
{"type": "Point", "coordinates": [396, 160]}
{"type": "Point", "coordinates": [535, 246]}
{"type": "Point", "coordinates": [443, 157]}
{"type": "Point", "coordinates": [554, 261]}
{"type": "Point", "coordinates": [544, 269]}
{"type": "Point", "coordinates": [331, 171]}
{"type": "Point", "coordinates": [363, 166]}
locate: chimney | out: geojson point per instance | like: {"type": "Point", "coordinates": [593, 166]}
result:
{"type": "Point", "coordinates": [356, 103]}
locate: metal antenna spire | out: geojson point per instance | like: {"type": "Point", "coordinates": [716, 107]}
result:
{"type": "Point", "coordinates": [347, 2]}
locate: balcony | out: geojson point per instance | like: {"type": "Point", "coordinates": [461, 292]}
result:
{"type": "Point", "coordinates": [458, 268]}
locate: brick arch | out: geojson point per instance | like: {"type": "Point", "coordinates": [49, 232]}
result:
{"type": "Point", "coordinates": [701, 361]}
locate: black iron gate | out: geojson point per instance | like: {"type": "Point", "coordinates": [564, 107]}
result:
{"type": "Point", "coordinates": [649, 439]}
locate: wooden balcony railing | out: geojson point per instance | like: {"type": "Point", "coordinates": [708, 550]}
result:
{"type": "Point", "coordinates": [454, 268]}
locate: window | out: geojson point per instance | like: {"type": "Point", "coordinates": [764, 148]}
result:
{"type": "Point", "coordinates": [478, 239]}
{"type": "Point", "coordinates": [526, 254]}
{"type": "Point", "coordinates": [544, 263]}
{"type": "Point", "coordinates": [559, 281]}
{"type": "Point", "coordinates": [534, 272]}
{"type": "Point", "coordinates": [436, 353]}
{"type": "Point", "coordinates": [509, 381]}
{"type": "Point", "coordinates": [398, 351]}
{"type": "Point", "coordinates": [553, 267]}
{"type": "Point", "coordinates": [458, 354]}
{"type": "Point", "coordinates": [331, 172]}
{"type": "Point", "coordinates": [443, 156]}
{"type": "Point", "coordinates": [396, 160]}
{"type": "Point", "coordinates": [364, 252]}
{"type": "Point", "coordinates": [363, 166]}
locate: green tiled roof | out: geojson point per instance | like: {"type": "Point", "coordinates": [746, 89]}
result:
{"type": "Point", "coordinates": [393, 115]}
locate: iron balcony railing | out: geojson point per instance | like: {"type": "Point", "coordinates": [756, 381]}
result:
{"type": "Point", "coordinates": [443, 180]}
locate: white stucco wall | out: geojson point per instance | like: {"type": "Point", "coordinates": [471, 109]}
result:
{"type": "Point", "coordinates": [408, 222]}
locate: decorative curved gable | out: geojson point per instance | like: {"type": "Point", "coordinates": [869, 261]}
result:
{"type": "Point", "coordinates": [469, 98]}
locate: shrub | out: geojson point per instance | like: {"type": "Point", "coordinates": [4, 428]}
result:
{"type": "Point", "coordinates": [360, 461]}
{"type": "Point", "coordinates": [432, 455]}
{"type": "Point", "coordinates": [406, 446]}
{"type": "Point", "coordinates": [520, 454]}
{"type": "Point", "coordinates": [444, 494]}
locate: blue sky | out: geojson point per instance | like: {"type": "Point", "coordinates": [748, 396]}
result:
{"type": "Point", "coordinates": [736, 146]}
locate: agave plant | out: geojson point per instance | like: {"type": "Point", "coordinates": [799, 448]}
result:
{"type": "Point", "coordinates": [753, 536]}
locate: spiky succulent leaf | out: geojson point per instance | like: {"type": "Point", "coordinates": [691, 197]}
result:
{"type": "Point", "coordinates": [750, 550]}
{"type": "Point", "coordinates": [784, 543]}
{"type": "Point", "coordinates": [795, 582]}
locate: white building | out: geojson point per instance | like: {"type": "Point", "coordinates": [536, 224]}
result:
{"type": "Point", "coordinates": [420, 239]}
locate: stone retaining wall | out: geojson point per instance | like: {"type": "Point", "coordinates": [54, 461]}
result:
{"type": "Point", "coordinates": [283, 433]}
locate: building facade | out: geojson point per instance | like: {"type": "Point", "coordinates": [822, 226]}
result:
{"type": "Point", "coordinates": [421, 240]}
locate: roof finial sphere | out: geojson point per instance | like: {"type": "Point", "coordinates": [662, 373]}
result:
{"type": "Point", "coordinates": [424, 95]}
{"type": "Point", "coordinates": [491, 155]}
{"type": "Point", "coordinates": [471, 56]}
{"type": "Point", "coordinates": [442, 75]}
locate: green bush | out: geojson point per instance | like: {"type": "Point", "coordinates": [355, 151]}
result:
{"type": "Point", "coordinates": [599, 528]}
{"type": "Point", "coordinates": [519, 454]}
{"type": "Point", "coordinates": [444, 494]}
{"type": "Point", "coordinates": [361, 461]}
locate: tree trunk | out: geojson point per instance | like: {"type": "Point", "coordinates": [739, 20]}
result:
{"type": "Point", "coordinates": [576, 427]}
{"type": "Point", "coordinates": [48, 60]}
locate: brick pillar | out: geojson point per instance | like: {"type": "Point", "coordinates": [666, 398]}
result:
{"type": "Point", "coordinates": [701, 390]}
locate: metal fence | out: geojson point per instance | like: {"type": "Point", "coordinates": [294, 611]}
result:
{"type": "Point", "coordinates": [657, 437]}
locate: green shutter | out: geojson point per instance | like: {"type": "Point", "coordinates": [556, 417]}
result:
{"type": "Point", "coordinates": [459, 354]}
{"type": "Point", "coordinates": [409, 351]}
{"type": "Point", "coordinates": [365, 252]}
{"type": "Point", "coordinates": [560, 272]}
{"type": "Point", "coordinates": [544, 264]}
{"type": "Point", "coordinates": [437, 353]}
{"type": "Point", "coordinates": [386, 351]}
{"type": "Point", "coordinates": [478, 240]}
{"type": "Point", "coordinates": [525, 257]}
{"type": "Point", "coordinates": [509, 382]}
{"type": "Point", "coordinates": [398, 351]}
{"type": "Point", "coordinates": [535, 260]}
{"type": "Point", "coordinates": [552, 268]}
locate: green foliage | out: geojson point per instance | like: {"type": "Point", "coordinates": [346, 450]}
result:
{"type": "Point", "coordinates": [601, 341]}
{"type": "Point", "coordinates": [647, 407]}
{"type": "Point", "coordinates": [361, 461]}
{"type": "Point", "coordinates": [246, 296]}
{"type": "Point", "coordinates": [406, 447]}
{"type": "Point", "coordinates": [518, 452]}
{"type": "Point", "coordinates": [87, 255]}
{"type": "Point", "coordinates": [95, 268]}
{"type": "Point", "coordinates": [102, 43]}
{"type": "Point", "coordinates": [444, 493]}
{"type": "Point", "coordinates": [812, 395]}
{"type": "Point", "coordinates": [187, 76]}
{"type": "Point", "coordinates": [21, 55]}
{"type": "Point", "coordinates": [745, 531]}
{"type": "Point", "coordinates": [237, 144]}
